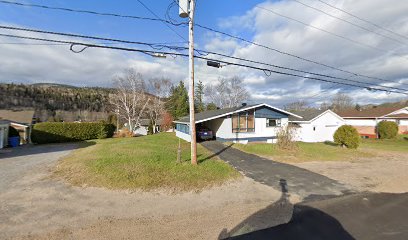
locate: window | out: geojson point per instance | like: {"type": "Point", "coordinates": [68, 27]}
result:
{"type": "Point", "coordinates": [184, 128]}
{"type": "Point", "coordinates": [243, 122]}
{"type": "Point", "coordinates": [273, 122]}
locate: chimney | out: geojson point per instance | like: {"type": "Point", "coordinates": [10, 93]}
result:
{"type": "Point", "coordinates": [244, 104]}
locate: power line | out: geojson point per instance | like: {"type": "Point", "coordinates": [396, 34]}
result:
{"type": "Point", "coordinates": [328, 32]}
{"type": "Point", "coordinates": [362, 19]}
{"type": "Point", "coordinates": [87, 11]}
{"type": "Point", "coordinates": [90, 37]}
{"type": "Point", "coordinates": [290, 54]}
{"type": "Point", "coordinates": [165, 23]}
{"type": "Point", "coordinates": [200, 52]}
{"type": "Point", "coordinates": [349, 22]}
{"type": "Point", "coordinates": [206, 28]}
{"type": "Point", "coordinates": [152, 53]}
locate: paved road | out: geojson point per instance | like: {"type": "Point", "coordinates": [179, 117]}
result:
{"type": "Point", "coordinates": [16, 163]}
{"type": "Point", "coordinates": [371, 216]}
{"type": "Point", "coordinates": [306, 184]}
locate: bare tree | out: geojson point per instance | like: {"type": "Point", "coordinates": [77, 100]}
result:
{"type": "Point", "coordinates": [130, 99]}
{"type": "Point", "coordinates": [341, 101]}
{"type": "Point", "coordinates": [227, 92]}
{"type": "Point", "coordinates": [159, 90]}
{"type": "Point", "coordinates": [296, 106]}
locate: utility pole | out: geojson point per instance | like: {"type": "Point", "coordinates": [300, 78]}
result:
{"type": "Point", "coordinates": [187, 8]}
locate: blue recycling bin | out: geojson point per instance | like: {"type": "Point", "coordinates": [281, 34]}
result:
{"type": "Point", "coordinates": [14, 141]}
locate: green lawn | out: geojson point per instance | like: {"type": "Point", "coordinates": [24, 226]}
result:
{"type": "Point", "coordinates": [400, 144]}
{"type": "Point", "coordinates": [143, 163]}
{"type": "Point", "coordinates": [326, 151]}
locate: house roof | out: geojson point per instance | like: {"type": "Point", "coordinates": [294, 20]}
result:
{"type": "Point", "coordinates": [307, 114]}
{"type": "Point", "coordinates": [213, 114]}
{"type": "Point", "coordinates": [400, 115]}
{"type": "Point", "coordinates": [3, 122]}
{"type": "Point", "coordinates": [367, 113]}
{"type": "Point", "coordinates": [20, 116]}
{"type": "Point", "coordinates": [146, 122]}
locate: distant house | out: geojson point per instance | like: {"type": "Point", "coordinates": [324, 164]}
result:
{"type": "Point", "coordinates": [365, 121]}
{"type": "Point", "coordinates": [4, 125]}
{"type": "Point", "coordinates": [144, 127]}
{"type": "Point", "coordinates": [316, 125]}
{"type": "Point", "coordinates": [246, 123]}
{"type": "Point", "coordinates": [21, 120]}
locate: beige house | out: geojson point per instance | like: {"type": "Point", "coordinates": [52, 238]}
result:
{"type": "Point", "coordinates": [21, 120]}
{"type": "Point", "coordinates": [365, 121]}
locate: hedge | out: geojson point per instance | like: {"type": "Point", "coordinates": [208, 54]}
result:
{"type": "Point", "coordinates": [387, 129]}
{"type": "Point", "coordinates": [58, 132]}
{"type": "Point", "coordinates": [348, 136]}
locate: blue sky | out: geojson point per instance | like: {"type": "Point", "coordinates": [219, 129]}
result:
{"type": "Point", "coordinates": [97, 67]}
{"type": "Point", "coordinates": [209, 12]}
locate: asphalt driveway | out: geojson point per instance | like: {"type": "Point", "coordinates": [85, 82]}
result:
{"type": "Point", "coordinates": [308, 185]}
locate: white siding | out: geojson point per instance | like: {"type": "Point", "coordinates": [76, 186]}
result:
{"type": "Point", "coordinates": [183, 136]}
{"type": "Point", "coordinates": [361, 122]}
{"type": "Point", "coordinates": [320, 130]}
{"type": "Point", "coordinates": [223, 129]}
{"type": "Point", "coordinates": [3, 135]}
{"type": "Point", "coordinates": [141, 131]}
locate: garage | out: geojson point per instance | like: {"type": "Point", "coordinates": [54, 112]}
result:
{"type": "Point", "coordinates": [316, 125]}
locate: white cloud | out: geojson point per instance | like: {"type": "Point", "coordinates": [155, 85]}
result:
{"type": "Point", "coordinates": [96, 67]}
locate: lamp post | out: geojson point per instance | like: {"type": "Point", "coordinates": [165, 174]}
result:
{"type": "Point", "coordinates": [187, 8]}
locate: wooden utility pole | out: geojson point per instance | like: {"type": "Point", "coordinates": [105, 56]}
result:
{"type": "Point", "coordinates": [191, 77]}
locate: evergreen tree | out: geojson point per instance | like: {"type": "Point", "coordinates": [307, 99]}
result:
{"type": "Point", "coordinates": [211, 106]}
{"type": "Point", "coordinates": [198, 98]}
{"type": "Point", "coordinates": [177, 104]}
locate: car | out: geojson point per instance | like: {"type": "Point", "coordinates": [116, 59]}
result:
{"type": "Point", "coordinates": [203, 133]}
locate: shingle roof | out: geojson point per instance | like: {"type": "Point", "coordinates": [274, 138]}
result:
{"type": "Point", "coordinates": [307, 114]}
{"type": "Point", "coordinates": [367, 113]}
{"type": "Point", "coordinates": [213, 113]}
{"type": "Point", "coordinates": [207, 115]}
{"type": "Point", "coordinates": [21, 116]}
{"type": "Point", "coordinates": [400, 115]}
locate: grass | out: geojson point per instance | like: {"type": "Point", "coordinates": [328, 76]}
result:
{"type": "Point", "coordinates": [328, 151]}
{"type": "Point", "coordinates": [400, 144]}
{"type": "Point", "coordinates": [143, 163]}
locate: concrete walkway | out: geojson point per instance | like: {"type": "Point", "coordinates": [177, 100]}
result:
{"type": "Point", "coordinates": [308, 185]}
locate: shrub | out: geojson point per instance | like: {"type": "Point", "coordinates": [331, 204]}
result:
{"type": "Point", "coordinates": [348, 136]}
{"type": "Point", "coordinates": [13, 132]}
{"type": "Point", "coordinates": [387, 129]}
{"type": "Point", "coordinates": [57, 132]}
{"type": "Point", "coordinates": [286, 138]}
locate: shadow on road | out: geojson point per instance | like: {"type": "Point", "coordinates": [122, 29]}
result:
{"type": "Point", "coordinates": [305, 223]}
{"type": "Point", "coordinates": [32, 149]}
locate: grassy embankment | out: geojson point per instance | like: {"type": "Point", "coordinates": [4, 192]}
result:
{"type": "Point", "coordinates": [143, 163]}
{"type": "Point", "coordinates": [328, 151]}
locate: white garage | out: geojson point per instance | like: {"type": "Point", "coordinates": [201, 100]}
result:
{"type": "Point", "coordinates": [316, 125]}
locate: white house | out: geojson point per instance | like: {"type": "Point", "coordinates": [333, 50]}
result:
{"type": "Point", "coordinates": [247, 123]}
{"type": "Point", "coordinates": [4, 126]}
{"type": "Point", "coordinates": [316, 125]}
{"type": "Point", "coordinates": [365, 121]}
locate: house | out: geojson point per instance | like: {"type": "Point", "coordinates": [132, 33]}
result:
{"type": "Point", "coordinates": [365, 121]}
{"type": "Point", "coordinates": [243, 124]}
{"type": "Point", "coordinates": [144, 127]}
{"type": "Point", "coordinates": [4, 125]}
{"type": "Point", "coordinates": [21, 120]}
{"type": "Point", "coordinates": [316, 125]}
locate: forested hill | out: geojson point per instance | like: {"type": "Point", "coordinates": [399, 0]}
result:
{"type": "Point", "coordinates": [52, 97]}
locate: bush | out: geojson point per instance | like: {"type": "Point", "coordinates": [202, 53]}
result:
{"type": "Point", "coordinates": [348, 136]}
{"type": "Point", "coordinates": [12, 132]}
{"type": "Point", "coordinates": [387, 129]}
{"type": "Point", "coordinates": [286, 138]}
{"type": "Point", "coordinates": [57, 132]}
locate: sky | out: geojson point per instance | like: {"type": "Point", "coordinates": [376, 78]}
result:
{"type": "Point", "coordinates": [362, 49]}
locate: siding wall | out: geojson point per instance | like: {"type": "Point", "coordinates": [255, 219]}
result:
{"type": "Point", "coordinates": [320, 130]}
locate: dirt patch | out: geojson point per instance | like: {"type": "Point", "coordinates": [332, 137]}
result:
{"type": "Point", "coordinates": [388, 173]}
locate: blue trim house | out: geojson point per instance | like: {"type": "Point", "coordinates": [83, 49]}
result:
{"type": "Point", "coordinates": [254, 123]}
